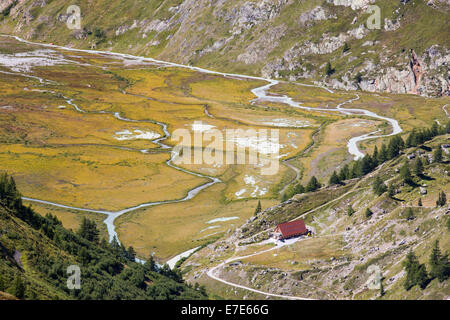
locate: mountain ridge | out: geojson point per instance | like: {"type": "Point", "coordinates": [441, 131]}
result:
{"type": "Point", "coordinates": [272, 38]}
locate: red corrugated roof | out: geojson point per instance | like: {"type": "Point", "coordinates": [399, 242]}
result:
{"type": "Point", "coordinates": [293, 228]}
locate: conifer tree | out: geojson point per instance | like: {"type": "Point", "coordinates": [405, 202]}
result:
{"type": "Point", "coordinates": [150, 264]}
{"type": "Point", "coordinates": [2, 283]}
{"type": "Point", "coordinates": [379, 187]}
{"type": "Point", "coordinates": [350, 210]}
{"type": "Point", "coordinates": [391, 191]}
{"type": "Point", "coordinates": [346, 47]}
{"type": "Point", "coordinates": [442, 199]}
{"type": "Point", "coordinates": [405, 173]}
{"type": "Point", "coordinates": [88, 230]}
{"type": "Point", "coordinates": [258, 208]}
{"type": "Point", "coordinates": [416, 273]}
{"type": "Point", "coordinates": [131, 253]}
{"type": "Point", "coordinates": [383, 154]}
{"type": "Point", "coordinates": [344, 174]}
{"type": "Point", "coordinates": [329, 70]}
{"type": "Point", "coordinates": [418, 167]}
{"type": "Point", "coordinates": [409, 214]}
{"type": "Point", "coordinates": [313, 185]}
{"type": "Point", "coordinates": [435, 260]}
{"type": "Point", "coordinates": [298, 189]}
{"type": "Point", "coordinates": [334, 179]}
{"type": "Point", "coordinates": [437, 155]}
{"type": "Point", "coordinates": [375, 157]}
{"type": "Point", "coordinates": [382, 292]}
{"type": "Point", "coordinates": [19, 287]}
{"type": "Point", "coordinates": [419, 203]}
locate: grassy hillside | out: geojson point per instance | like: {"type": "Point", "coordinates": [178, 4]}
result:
{"type": "Point", "coordinates": [382, 228]}
{"type": "Point", "coordinates": [35, 252]}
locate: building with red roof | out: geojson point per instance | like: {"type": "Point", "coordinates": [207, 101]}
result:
{"type": "Point", "coordinates": [291, 229]}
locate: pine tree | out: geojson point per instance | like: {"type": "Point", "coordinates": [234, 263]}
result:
{"type": "Point", "coordinates": [391, 191]}
{"type": "Point", "coordinates": [313, 185]}
{"type": "Point", "coordinates": [344, 173]}
{"type": "Point", "coordinates": [442, 199]}
{"type": "Point", "coordinates": [84, 256]}
{"type": "Point", "coordinates": [416, 273]}
{"type": "Point", "coordinates": [418, 167]}
{"type": "Point", "coordinates": [375, 157]}
{"type": "Point", "coordinates": [419, 203]}
{"type": "Point", "coordinates": [435, 260]}
{"type": "Point", "coordinates": [411, 140]}
{"type": "Point", "coordinates": [2, 283]}
{"type": "Point", "coordinates": [355, 171]}
{"type": "Point", "coordinates": [434, 130]}
{"type": "Point", "coordinates": [437, 155]}
{"type": "Point", "coordinates": [346, 47]}
{"type": "Point", "coordinates": [382, 292]}
{"type": "Point", "coordinates": [383, 154]}
{"type": "Point", "coordinates": [334, 179]}
{"type": "Point", "coordinates": [366, 164]}
{"type": "Point", "coordinates": [409, 214]}
{"type": "Point", "coordinates": [258, 208]}
{"type": "Point", "coordinates": [378, 186]}
{"type": "Point", "coordinates": [422, 276]}
{"type": "Point", "coordinates": [131, 253]}
{"type": "Point", "coordinates": [329, 70]}
{"type": "Point", "coordinates": [405, 173]}
{"type": "Point", "coordinates": [299, 189]}
{"type": "Point", "coordinates": [368, 213]}
{"type": "Point", "coordinates": [19, 287]}
{"type": "Point", "coordinates": [88, 230]}
{"type": "Point", "coordinates": [150, 264]}
{"type": "Point", "coordinates": [350, 210]}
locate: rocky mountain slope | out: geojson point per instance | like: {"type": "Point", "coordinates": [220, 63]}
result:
{"type": "Point", "coordinates": [347, 247]}
{"type": "Point", "coordinates": [294, 40]}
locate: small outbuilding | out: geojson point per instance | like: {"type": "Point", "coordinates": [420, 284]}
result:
{"type": "Point", "coordinates": [291, 229]}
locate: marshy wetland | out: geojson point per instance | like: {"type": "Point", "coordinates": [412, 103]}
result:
{"type": "Point", "coordinates": [88, 133]}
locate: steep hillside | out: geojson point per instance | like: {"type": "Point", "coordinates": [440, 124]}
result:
{"type": "Point", "coordinates": [357, 229]}
{"type": "Point", "coordinates": [36, 251]}
{"type": "Point", "coordinates": [407, 53]}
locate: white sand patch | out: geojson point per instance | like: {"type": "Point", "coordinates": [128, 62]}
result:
{"type": "Point", "coordinates": [199, 126]}
{"type": "Point", "coordinates": [61, 107]}
{"type": "Point", "coordinates": [262, 145]}
{"type": "Point", "coordinates": [25, 61]}
{"type": "Point", "coordinates": [209, 235]}
{"type": "Point", "coordinates": [7, 107]}
{"type": "Point", "coordinates": [291, 136]}
{"type": "Point", "coordinates": [249, 180]}
{"type": "Point", "coordinates": [240, 193]}
{"type": "Point", "coordinates": [257, 190]}
{"type": "Point", "coordinates": [223, 219]}
{"type": "Point", "coordinates": [209, 228]}
{"type": "Point", "coordinates": [360, 124]}
{"type": "Point", "coordinates": [287, 123]}
{"type": "Point", "coordinates": [138, 134]}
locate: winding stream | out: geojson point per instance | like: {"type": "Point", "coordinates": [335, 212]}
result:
{"type": "Point", "coordinates": [261, 94]}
